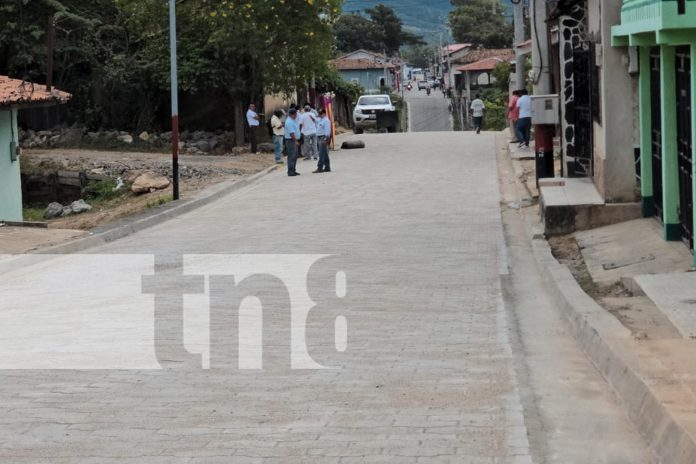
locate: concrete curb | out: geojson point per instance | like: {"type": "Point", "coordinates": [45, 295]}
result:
{"type": "Point", "coordinates": [128, 226]}
{"type": "Point", "coordinates": [611, 348]}
{"type": "Point", "coordinates": [600, 335]}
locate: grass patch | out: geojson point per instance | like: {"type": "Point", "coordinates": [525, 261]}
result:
{"type": "Point", "coordinates": [159, 201]}
{"type": "Point", "coordinates": [103, 190]}
{"type": "Point", "coordinates": [33, 214]}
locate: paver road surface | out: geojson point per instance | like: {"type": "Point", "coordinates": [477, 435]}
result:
{"type": "Point", "coordinates": [428, 113]}
{"type": "Point", "coordinates": [428, 374]}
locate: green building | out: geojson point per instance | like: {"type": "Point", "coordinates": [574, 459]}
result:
{"type": "Point", "coordinates": [663, 35]}
{"type": "Point", "coordinates": [14, 95]}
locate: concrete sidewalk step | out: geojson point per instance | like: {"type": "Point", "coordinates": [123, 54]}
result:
{"type": "Point", "coordinates": [642, 317]}
{"type": "Point", "coordinates": [610, 257]}
{"type": "Point", "coordinates": [675, 295]}
{"type": "Point", "coordinates": [655, 379]}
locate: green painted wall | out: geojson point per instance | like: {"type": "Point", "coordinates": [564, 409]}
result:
{"type": "Point", "coordinates": [651, 15]}
{"type": "Point", "coordinates": [10, 181]}
{"type": "Point", "coordinates": [646, 171]}
{"type": "Point", "coordinates": [693, 133]}
{"type": "Point", "coordinates": [670, 166]}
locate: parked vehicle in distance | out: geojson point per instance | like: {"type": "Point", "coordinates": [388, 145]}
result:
{"type": "Point", "coordinates": [434, 83]}
{"type": "Point", "coordinates": [423, 85]}
{"type": "Point", "coordinates": [365, 112]}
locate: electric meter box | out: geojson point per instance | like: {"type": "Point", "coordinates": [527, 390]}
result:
{"type": "Point", "coordinates": [544, 109]}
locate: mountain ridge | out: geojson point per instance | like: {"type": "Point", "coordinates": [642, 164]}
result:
{"type": "Point", "coordinates": [427, 18]}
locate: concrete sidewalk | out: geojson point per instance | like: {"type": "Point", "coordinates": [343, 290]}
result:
{"type": "Point", "coordinates": [652, 371]}
{"type": "Point", "coordinates": [15, 240]}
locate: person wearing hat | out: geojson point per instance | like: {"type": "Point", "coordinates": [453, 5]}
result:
{"type": "Point", "coordinates": [323, 138]}
{"type": "Point", "coordinates": [292, 141]}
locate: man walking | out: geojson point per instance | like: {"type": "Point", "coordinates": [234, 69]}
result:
{"type": "Point", "coordinates": [292, 141]}
{"type": "Point", "coordinates": [513, 114]}
{"type": "Point", "coordinates": [253, 123]}
{"type": "Point", "coordinates": [278, 135]}
{"type": "Point", "coordinates": [308, 126]}
{"type": "Point", "coordinates": [477, 108]}
{"type": "Point", "coordinates": [323, 137]}
{"type": "Point", "coordinates": [524, 123]}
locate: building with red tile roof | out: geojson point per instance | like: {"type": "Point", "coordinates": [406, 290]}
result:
{"type": "Point", "coordinates": [17, 93]}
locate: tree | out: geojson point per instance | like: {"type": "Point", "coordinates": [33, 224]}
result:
{"type": "Point", "coordinates": [393, 36]}
{"type": "Point", "coordinates": [113, 55]}
{"type": "Point", "coordinates": [381, 31]}
{"type": "Point", "coordinates": [419, 56]}
{"type": "Point", "coordinates": [501, 73]}
{"type": "Point", "coordinates": [480, 23]}
{"type": "Point", "coordinates": [354, 31]}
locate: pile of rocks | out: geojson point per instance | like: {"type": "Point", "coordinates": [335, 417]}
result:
{"type": "Point", "coordinates": [130, 170]}
{"type": "Point", "coordinates": [55, 209]}
{"type": "Point", "coordinates": [191, 143]}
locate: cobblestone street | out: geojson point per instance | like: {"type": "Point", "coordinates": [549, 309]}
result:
{"type": "Point", "coordinates": [429, 374]}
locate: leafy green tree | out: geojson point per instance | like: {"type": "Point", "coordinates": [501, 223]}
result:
{"type": "Point", "coordinates": [419, 56]}
{"type": "Point", "coordinates": [381, 31]}
{"type": "Point", "coordinates": [481, 23]}
{"type": "Point", "coordinates": [113, 55]}
{"type": "Point", "coordinates": [391, 27]}
{"type": "Point", "coordinates": [354, 31]}
{"type": "Point", "coordinates": [501, 73]}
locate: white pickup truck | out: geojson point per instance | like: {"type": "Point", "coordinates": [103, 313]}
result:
{"type": "Point", "coordinates": [365, 112]}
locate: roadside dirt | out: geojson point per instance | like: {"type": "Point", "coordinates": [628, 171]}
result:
{"type": "Point", "coordinates": [197, 173]}
{"type": "Point", "coordinates": [567, 251]}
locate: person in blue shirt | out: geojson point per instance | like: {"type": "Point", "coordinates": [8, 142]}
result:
{"type": "Point", "coordinates": [323, 137]}
{"type": "Point", "coordinates": [292, 141]}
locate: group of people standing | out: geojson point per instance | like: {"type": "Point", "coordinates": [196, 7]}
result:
{"type": "Point", "coordinates": [520, 116]}
{"type": "Point", "coordinates": [301, 134]}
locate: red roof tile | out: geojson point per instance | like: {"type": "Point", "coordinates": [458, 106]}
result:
{"type": "Point", "coordinates": [486, 64]}
{"type": "Point", "coordinates": [483, 53]}
{"type": "Point", "coordinates": [15, 92]}
{"type": "Point", "coordinates": [455, 47]}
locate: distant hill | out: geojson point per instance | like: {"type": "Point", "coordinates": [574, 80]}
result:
{"type": "Point", "coordinates": [427, 18]}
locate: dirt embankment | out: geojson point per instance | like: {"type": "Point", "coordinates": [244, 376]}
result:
{"type": "Point", "coordinates": [196, 173]}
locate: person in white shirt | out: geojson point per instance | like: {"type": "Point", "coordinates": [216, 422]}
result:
{"type": "Point", "coordinates": [477, 108]}
{"type": "Point", "coordinates": [308, 126]}
{"type": "Point", "coordinates": [253, 123]}
{"type": "Point", "coordinates": [278, 135]}
{"type": "Point", "coordinates": [324, 136]}
{"type": "Point", "coordinates": [524, 123]}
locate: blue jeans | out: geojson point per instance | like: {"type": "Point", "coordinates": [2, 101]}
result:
{"type": "Point", "coordinates": [324, 162]}
{"type": "Point", "coordinates": [524, 126]}
{"type": "Point", "coordinates": [278, 146]}
{"type": "Point", "coordinates": [291, 147]}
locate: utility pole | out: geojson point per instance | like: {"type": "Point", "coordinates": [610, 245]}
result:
{"type": "Point", "coordinates": [384, 52]}
{"type": "Point", "coordinates": [540, 52]}
{"type": "Point", "coordinates": [450, 75]}
{"type": "Point", "coordinates": [51, 42]}
{"type": "Point", "coordinates": [175, 99]}
{"type": "Point", "coordinates": [518, 19]}
{"type": "Point", "coordinates": [543, 133]}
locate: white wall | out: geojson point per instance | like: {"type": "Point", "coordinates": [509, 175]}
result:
{"type": "Point", "coordinates": [614, 171]}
